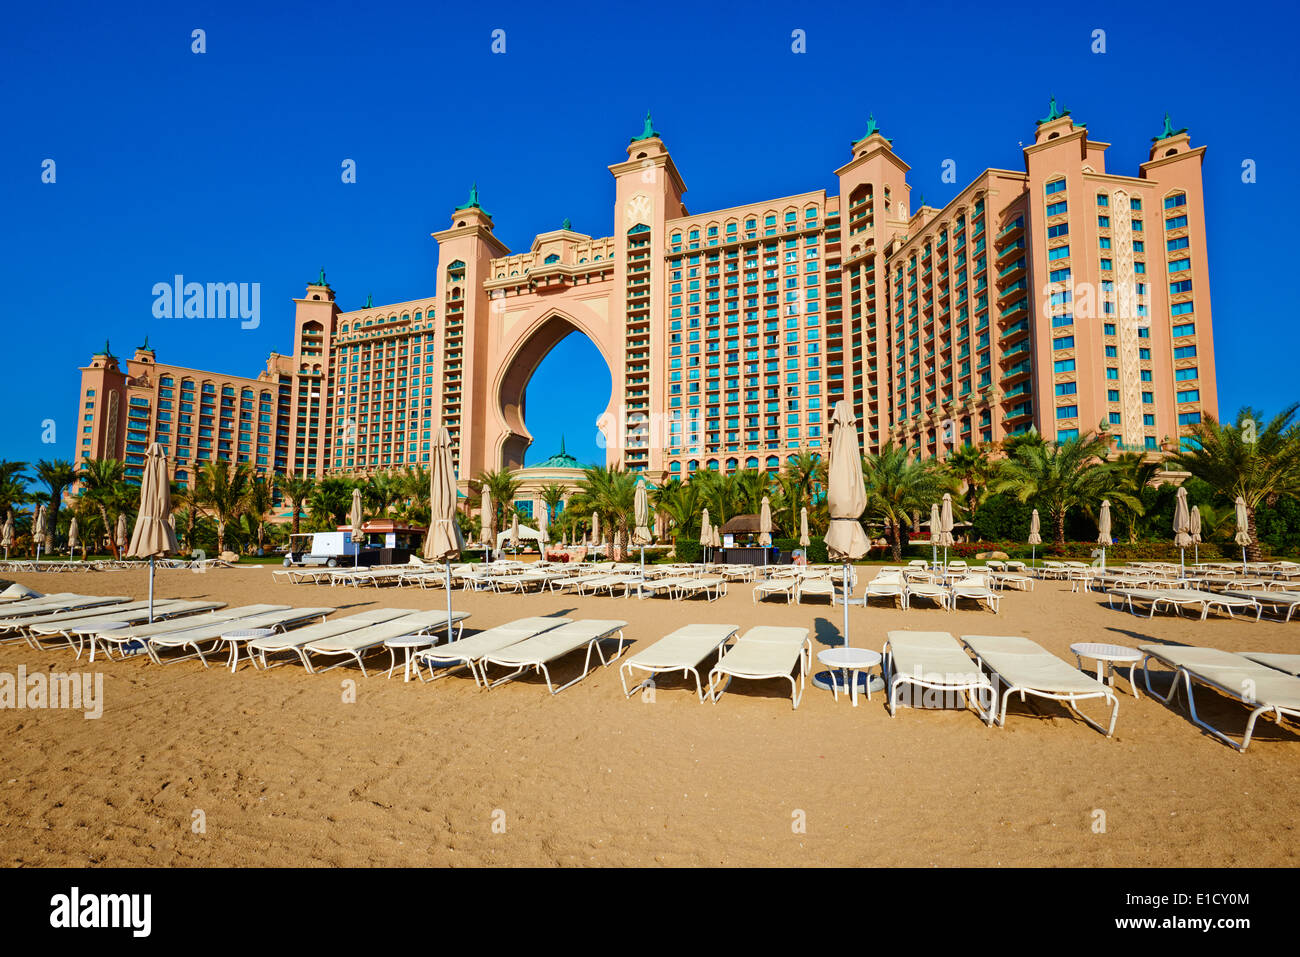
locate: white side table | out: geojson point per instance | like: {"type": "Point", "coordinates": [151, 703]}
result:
{"type": "Point", "coordinates": [233, 638]}
{"type": "Point", "coordinates": [852, 661]}
{"type": "Point", "coordinates": [88, 633]}
{"type": "Point", "coordinates": [1110, 655]}
{"type": "Point", "coordinates": [410, 643]}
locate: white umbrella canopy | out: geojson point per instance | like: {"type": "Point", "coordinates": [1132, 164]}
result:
{"type": "Point", "coordinates": [7, 531]}
{"type": "Point", "coordinates": [72, 534]}
{"type": "Point", "coordinates": [153, 536]}
{"type": "Point", "coordinates": [38, 528]}
{"type": "Point", "coordinates": [1035, 536]}
{"type": "Point", "coordinates": [444, 541]}
{"type": "Point", "coordinates": [641, 508]}
{"type": "Point", "coordinates": [121, 537]}
{"type": "Point", "coordinates": [544, 526]}
{"type": "Point", "coordinates": [706, 530]}
{"type": "Point", "coordinates": [595, 528]}
{"type": "Point", "coordinates": [765, 524]}
{"type": "Point", "coordinates": [1195, 527]}
{"type": "Point", "coordinates": [935, 522]}
{"type": "Point", "coordinates": [356, 519]}
{"type": "Point", "coordinates": [804, 540]}
{"type": "Point", "coordinates": [1103, 530]}
{"type": "Point", "coordinates": [514, 533]}
{"type": "Point", "coordinates": [847, 495]}
{"type": "Point", "coordinates": [945, 521]}
{"type": "Point", "coordinates": [1182, 526]}
{"type": "Point", "coordinates": [1242, 537]}
{"type": "Point", "coordinates": [717, 538]}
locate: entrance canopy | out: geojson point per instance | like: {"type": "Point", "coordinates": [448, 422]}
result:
{"type": "Point", "coordinates": [525, 534]}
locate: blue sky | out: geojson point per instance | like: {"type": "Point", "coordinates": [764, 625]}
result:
{"type": "Point", "coordinates": [225, 166]}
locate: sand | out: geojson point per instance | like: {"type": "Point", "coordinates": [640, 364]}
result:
{"type": "Point", "coordinates": [192, 767]}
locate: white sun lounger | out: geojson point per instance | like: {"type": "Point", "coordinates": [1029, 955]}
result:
{"type": "Point", "coordinates": [467, 652]}
{"type": "Point", "coordinates": [1290, 664]}
{"type": "Point", "coordinates": [1276, 600]}
{"type": "Point", "coordinates": [1262, 689]}
{"type": "Point", "coordinates": [540, 651]}
{"type": "Point", "coordinates": [1179, 598]}
{"type": "Point", "coordinates": [52, 606]}
{"type": "Point", "coordinates": [1025, 667]}
{"type": "Point", "coordinates": [935, 593]}
{"type": "Point", "coordinates": [681, 650]}
{"type": "Point", "coordinates": [782, 585]}
{"type": "Point", "coordinates": [130, 613]}
{"type": "Point", "coordinates": [259, 648]}
{"type": "Point", "coordinates": [713, 587]}
{"type": "Point", "coordinates": [765, 651]}
{"type": "Point", "coordinates": [141, 632]}
{"type": "Point", "coordinates": [356, 644]}
{"type": "Point", "coordinates": [281, 618]}
{"type": "Point", "coordinates": [934, 660]}
{"type": "Point", "coordinates": [974, 588]}
{"type": "Point", "coordinates": [888, 584]}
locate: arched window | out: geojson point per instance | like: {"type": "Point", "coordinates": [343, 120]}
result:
{"type": "Point", "coordinates": [552, 258]}
{"type": "Point", "coordinates": [751, 462]}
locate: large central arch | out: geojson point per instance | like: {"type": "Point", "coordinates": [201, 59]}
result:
{"type": "Point", "coordinates": [533, 339]}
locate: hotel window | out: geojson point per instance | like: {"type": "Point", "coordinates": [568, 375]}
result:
{"type": "Point", "coordinates": [1060, 229]}
{"type": "Point", "coordinates": [1179, 265]}
{"type": "Point", "coordinates": [1060, 252]}
{"type": "Point", "coordinates": [1148, 418]}
{"type": "Point", "coordinates": [1065, 435]}
{"type": "Point", "coordinates": [1066, 342]}
{"type": "Point", "coordinates": [1112, 352]}
{"type": "Point", "coordinates": [1055, 186]}
{"type": "Point", "coordinates": [1063, 365]}
{"type": "Point", "coordinates": [1103, 242]}
{"type": "Point", "coordinates": [1108, 329]}
{"type": "Point", "coordinates": [1103, 199]}
{"type": "Point", "coordinates": [1190, 395]}
{"type": "Point", "coordinates": [1148, 398]}
{"type": "Point", "coordinates": [1185, 352]}
{"type": "Point", "coordinates": [1173, 245]}
{"type": "Point", "coordinates": [1107, 264]}
{"type": "Point", "coordinates": [1145, 375]}
{"type": "Point", "coordinates": [1113, 418]}
{"type": "Point", "coordinates": [1067, 412]}
{"type": "Point", "coordinates": [1067, 388]}
{"type": "Point", "coordinates": [1056, 209]}
{"type": "Point", "coordinates": [1112, 395]}
{"type": "Point", "coordinates": [1144, 355]}
{"type": "Point", "coordinates": [1181, 309]}
{"type": "Point", "coordinates": [1186, 329]}
{"type": "Point", "coordinates": [1112, 373]}
{"type": "Point", "coordinates": [1172, 202]}
{"type": "Point", "coordinates": [1189, 418]}
{"type": "Point", "coordinates": [1182, 375]}
{"type": "Point", "coordinates": [1176, 222]}
{"type": "Point", "coordinates": [1103, 222]}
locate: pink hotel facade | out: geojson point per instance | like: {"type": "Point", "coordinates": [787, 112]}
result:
{"type": "Point", "coordinates": [1061, 297]}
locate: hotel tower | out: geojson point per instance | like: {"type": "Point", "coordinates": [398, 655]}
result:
{"type": "Point", "coordinates": [1061, 297]}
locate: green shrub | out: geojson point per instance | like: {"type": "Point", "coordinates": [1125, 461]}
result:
{"type": "Point", "coordinates": [687, 549]}
{"type": "Point", "coordinates": [816, 548]}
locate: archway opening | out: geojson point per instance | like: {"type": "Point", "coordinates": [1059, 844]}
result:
{"type": "Point", "coordinates": [557, 387]}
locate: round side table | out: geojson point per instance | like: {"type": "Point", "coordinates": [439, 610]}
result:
{"type": "Point", "coordinates": [850, 662]}
{"type": "Point", "coordinates": [1110, 655]}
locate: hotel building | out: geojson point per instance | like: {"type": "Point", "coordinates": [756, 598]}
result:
{"type": "Point", "coordinates": [1061, 297]}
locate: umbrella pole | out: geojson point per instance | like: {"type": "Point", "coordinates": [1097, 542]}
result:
{"type": "Point", "coordinates": [846, 604]}
{"type": "Point", "coordinates": [151, 560]}
{"type": "Point", "coordinates": [447, 561]}
{"type": "Point", "coordinates": [1196, 554]}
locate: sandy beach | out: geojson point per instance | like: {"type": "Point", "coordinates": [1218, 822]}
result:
{"type": "Point", "coordinates": [281, 770]}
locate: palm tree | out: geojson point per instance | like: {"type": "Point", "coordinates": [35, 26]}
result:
{"type": "Point", "coordinates": [679, 502]}
{"type": "Point", "coordinates": [1260, 465]}
{"type": "Point", "coordinates": [330, 503]}
{"type": "Point", "coordinates": [220, 489]}
{"type": "Point", "coordinates": [897, 486]}
{"type": "Point", "coordinates": [258, 500]}
{"type": "Point", "coordinates": [101, 486]}
{"type": "Point", "coordinates": [552, 495]}
{"type": "Point", "coordinates": [1132, 474]}
{"type": "Point", "coordinates": [611, 493]}
{"type": "Point", "coordinates": [972, 466]}
{"type": "Point", "coordinates": [381, 492]}
{"type": "Point", "coordinates": [413, 487]}
{"type": "Point", "coordinates": [13, 486]}
{"type": "Point", "coordinates": [297, 490]}
{"type": "Point", "coordinates": [57, 475]}
{"type": "Point", "coordinates": [502, 487]}
{"type": "Point", "coordinates": [1059, 476]}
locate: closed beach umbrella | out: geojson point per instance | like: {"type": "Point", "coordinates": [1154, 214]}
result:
{"type": "Point", "coordinates": [444, 542]}
{"type": "Point", "coordinates": [1182, 526]}
{"type": "Point", "coordinates": [706, 531]}
{"type": "Point", "coordinates": [38, 530]}
{"type": "Point", "coordinates": [544, 526]}
{"type": "Point", "coordinates": [765, 527]}
{"type": "Point", "coordinates": [945, 525]}
{"type": "Point", "coordinates": [641, 510]}
{"type": "Point", "coordinates": [7, 533]}
{"type": "Point", "coordinates": [717, 537]}
{"type": "Point", "coordinates": [514, 533]}
{"type": "Point", "coordinates": [72, 535]}
{"type": "Point", "coordinates": [121, 538]}
{"type": "Point", "coordinates": [153, 538]}
{"type": "Point", "coordinates": [1035, 539]}
{"type": "Point", "coordinates": [595, 529]}
{"type": "Point", "coordinates": [847, 498]}
{"type": "Point", "coordinates": [1196, 534]}
{"type": "Point", "coordinates": [935, 533]}
{"type": "Point", "coordinates": [1103, 530]}
{"type": "Point", "coordinates": [487, 534]}
{"type": "Point", "coordinates": [1242, 537]}
{"type": "Point", "coordinates": [804, 540]}
{"type": "Point", "coordinates": [356, 519]}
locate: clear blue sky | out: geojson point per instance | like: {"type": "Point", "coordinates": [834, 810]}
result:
{"type": "Point", "coordinates": [225, 166]}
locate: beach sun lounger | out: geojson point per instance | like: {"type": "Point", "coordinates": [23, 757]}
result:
{"type": "Point", "coordinates": [934, 660]}
{"type": "Point", "coordinates": [1275, 600]}
{"type": "Point", "coordinates": [1024, 667]}
{"type": "Point", "coordinates": [18, 615]}
{"type": "Point", "coordinates": [356, 644]}
{"type": "Point", "coordinates": [193, 637]}
{"type": "Point", "coordinates": [765, 651]}
{"type": "Point", "coordinates": [888, 585]}
{"type": "Point", "coordinates": [467, 652]}
{"type": "Point", "coordinates": [542, 650]}
{"type": "Point", "coordinates": [1264, 690]}
{"type": "Point", "coordinates": [120, 638]}
{"type": "Point", "coordinates": [259, 648]}
{"type": "Point", "coordinates": [975, 588]}
{"type": "Point", "coordinates": [681, 650]}
{"type": "Point", "coordinates": [1179, 598]}
{"type": "Point", "coordinates": [1290, 664]}
{"type": "Point", "coordinates": [77, 631]}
